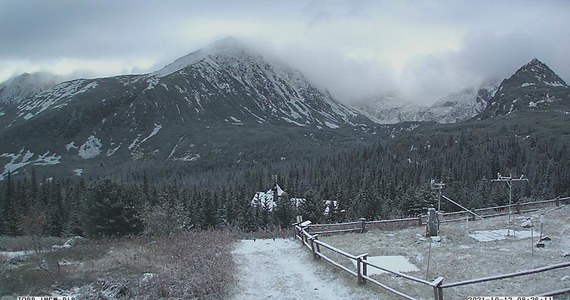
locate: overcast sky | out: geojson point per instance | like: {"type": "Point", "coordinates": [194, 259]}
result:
{"type": "Point", "coordinates": [424, 49]}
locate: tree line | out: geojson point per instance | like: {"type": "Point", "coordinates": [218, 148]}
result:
{"type": "Point", "coordinates": [385, 180]}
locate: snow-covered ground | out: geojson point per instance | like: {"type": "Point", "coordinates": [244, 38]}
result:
{"type": "Point", "coordinates": [396, 263]}
{"type": "Point", "coordinates": [472, 250]}
{"type": "Point", "coordinates": [14, 254]}
{"type": "Point", "coordinates": [284, 269]}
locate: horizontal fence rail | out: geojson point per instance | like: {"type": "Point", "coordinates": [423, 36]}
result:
{"type": "Point", "coordinates": [312, 242]}
{"type": "Point", "coordinates": [509, 275]}
{"type": "Point", "coordinates": [363, 225]}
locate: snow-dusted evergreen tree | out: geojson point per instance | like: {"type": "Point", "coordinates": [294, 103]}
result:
{"type": "Point", "coordinates": [313, 207]}
{"type": "Point", "coordinates": [111, 209]}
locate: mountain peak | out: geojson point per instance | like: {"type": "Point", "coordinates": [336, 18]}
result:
{"type": "Point", "coordinates": [532, 86]}
{"type": "Point", "coordinates": [228, 47]}
{"type": "Point", "coordinates": [26, 85]}
{"type": "Point", "coordinates": [535, 61]}
{"type": "Point", "coordinates": [532, 74]}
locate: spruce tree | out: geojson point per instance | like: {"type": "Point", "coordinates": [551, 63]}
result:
{"type": "Point", "coordinates": [111, 209]}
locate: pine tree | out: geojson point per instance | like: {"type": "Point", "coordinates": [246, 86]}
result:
{"type": "Point", "coordinates": [313, 207]}
{"type": "Point", "coordinates": [110, 209]}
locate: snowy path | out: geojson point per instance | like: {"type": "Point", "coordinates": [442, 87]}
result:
{"type": "Point", "coordinates": [283, 269]}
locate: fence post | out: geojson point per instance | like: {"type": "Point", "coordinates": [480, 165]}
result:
{"type": "Point", "coordinates": [420, 220]}
{"type": "Point", "coordinates": [363, 224]}
{"type": "Point", "coordinates": [361, 268]}
{"type": "Point", "coordinates": [318, 246]}
{"type": "Point", "coordinates": [364, 268]}
{"type": "Point", "coordinates": [558, 201]}
{"type": "Point", "coordinates": [437, 289]}
{"type": "Point", "coordinates": [311, 240]}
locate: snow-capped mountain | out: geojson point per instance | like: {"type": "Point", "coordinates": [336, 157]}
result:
{"type": "Point", "coordinates": [533, 86]}
{"type": "Point", "coordinates": [26, 85]}
{"type": "Point", "coordinates": [453, 108]}
{"type": "Point", "coordinates": [224, 99]}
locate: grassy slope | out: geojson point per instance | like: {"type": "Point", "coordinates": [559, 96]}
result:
{"type": "Point", "coordinates": [193, 265]}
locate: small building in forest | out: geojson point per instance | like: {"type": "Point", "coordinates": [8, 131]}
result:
{"type": "Point", "coordinates": [268, 200]}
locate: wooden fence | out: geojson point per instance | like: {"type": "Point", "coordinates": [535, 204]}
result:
{"type": "Point", "coordinates": [362, 264]}
{"type": "Point", "coordinates": [362, 225]}
{"type": "Point", "coordinates": [308, 235]}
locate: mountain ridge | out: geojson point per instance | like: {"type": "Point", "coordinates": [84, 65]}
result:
{"type": "Point", "coordinates": [241, 101]}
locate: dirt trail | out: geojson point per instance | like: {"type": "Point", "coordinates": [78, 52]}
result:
{"type": "Point", "coordinates": [284, 269]}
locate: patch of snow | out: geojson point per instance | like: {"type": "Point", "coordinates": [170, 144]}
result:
{"type": "Point", "coordinates": [70, 146]}
{"type": "Point", "coordinates": [78, 172]}
{"type": "Point", "coordinates": [43, 101]}
{"type": "Point", "coordinates": [532, 104]}
{"type": "Point", "coordinates": [331, 125]}
{"type": "Point", "coordinates": [148, 277]}
{"type": "Point", "coordinates": [14, 254]}
{"type": "Point", "coordinates": [112, 151]}
{"type": "Point", "coordinates": [155, 130]}
{"type": "Point", "coordinates": [236, 120]}
{"type": "Point", "coordinates": [499, 234]}
{"type": "Point", "coordinates": [291, 121]}
{"type": "Point", "coordinates": [152, 81]}
{"type": "Point", "coordinates": [46, 159]}
{"type": "Point", "coordinates": [135, 144]}
{"type": "Point", "coordinates": [188, 157]}
{"type": "Point", "coordinates": [91, 148]}
{"type": "Point", "coordinates": [74, 292]}
{"type": "Point", "coordinates": [69, 243]}
{"type": "Point", "coordinates": [175, 146]}
{"type": "Point", "coordinates": [396, 263]}
{"type": "Point", "coordinates": [261, 120]}
{"type": "Point", "coordinates": [22, 159]}
{"type": "Point", "coordinates": [527, 84]}
{"type": "Point", "coordinates": [135, 141]}
{"type": "Point", "coordinates": [554, 83]}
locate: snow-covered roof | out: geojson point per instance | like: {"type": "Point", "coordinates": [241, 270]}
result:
{"type": "Point", "coordinates": [330, 204]}
{"type": "Point", "coordinates": [265, 199]}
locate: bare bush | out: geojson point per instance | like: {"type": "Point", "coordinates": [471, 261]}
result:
{"type": "Point", "coordinates": [181, 266]}
{"type": "Point", "coordinates": [189, 265]}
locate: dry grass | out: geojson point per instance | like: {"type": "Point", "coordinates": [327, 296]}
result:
{"type": "Point", "coordinates": [23, 243]}
{"type": "Point", "coordinates": [185, 266]}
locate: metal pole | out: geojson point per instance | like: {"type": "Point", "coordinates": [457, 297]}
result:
{"type": "Point", "coordinates": [532, 239]}
{"type": "Point", "coordinates": [429, 257]}
{"type": "Point", "coordinates": [439, 201]}
{"type": "Point", "coordinates": [509, 181]}
{"type": "Point", "coordinates": [510, 211]}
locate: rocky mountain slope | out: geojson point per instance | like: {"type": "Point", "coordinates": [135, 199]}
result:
{"type": "Point", "coordinates": [223, 101]}
{"type": "Point", "coordinates": [27, 85]}
{"type": "Point", "coordinates": [533, 86]}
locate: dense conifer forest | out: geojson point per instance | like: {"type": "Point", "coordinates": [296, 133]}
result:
{"type": "Point", "coordinates": [384, 180]}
